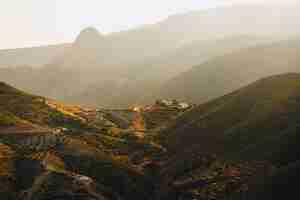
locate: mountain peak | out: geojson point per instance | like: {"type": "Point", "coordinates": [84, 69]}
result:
{"type": "Point", "coordinates": [90, 31]}
{"type": "Point", "coordinates": [88, 36]}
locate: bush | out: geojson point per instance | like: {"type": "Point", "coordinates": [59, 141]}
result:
{"type": "Point", "coordinates": [8, 120]}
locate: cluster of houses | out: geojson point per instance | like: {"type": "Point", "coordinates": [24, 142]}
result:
{"type": "Point", "coordinates": [164, 103]}
{"type": "Point", "coordinates": [173, 104]}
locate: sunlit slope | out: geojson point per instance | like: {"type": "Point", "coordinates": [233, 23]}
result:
{"type": "Point", "coordinates": [78, 161]}
{"type": "Point", "coordinates": [19, 108]}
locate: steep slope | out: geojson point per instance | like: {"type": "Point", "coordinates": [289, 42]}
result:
{"type": "Point", "coordinates": [226, 73]}
{"type": "Point", "coordinates": [250, 121]}
{"type": "Point", "coordinates": [242, 145]}
{"type": "Point", "coordinates": [280, 185]}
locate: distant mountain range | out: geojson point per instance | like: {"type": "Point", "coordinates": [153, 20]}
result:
{"type": "Point", "coordinates": [224, 74]}
{"type": "Point", "coordinates": [40, 160]}
{"type": "Point", "coordinates": [113, 70]}
{"type": "Point", "coordinates": [33, 57]}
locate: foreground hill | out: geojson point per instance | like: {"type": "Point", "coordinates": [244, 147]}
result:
{"type": "Point", "coordinates": [224, 149]}
{"type": "Point", "coordinates": [49, 150]}
{"type": "Point", "coordinates": [224, 74]}
{"type": "Point", "coordinates": [259, 122]}
{"type": "Point", "coordinates": [18, 107]}
{"type": "Point", "coordinates": [244, 120]}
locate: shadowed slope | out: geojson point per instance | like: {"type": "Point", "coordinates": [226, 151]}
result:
{"type": "Point", "coordinates": [251, 122]}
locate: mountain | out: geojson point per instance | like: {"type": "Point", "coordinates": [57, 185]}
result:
{"type": "Point", "coordinates": [223, 74]}
{"type": "Point", "coordinates": [207, 25]}
{"type": "Point", "coordinates": [74, 80]}
{"type": "Point", "coordinates": [34, 56]}
{"type": "Point", "coordinates": [148, 56]}
{"type": "Point", "coordinates": [240, 142]}
{"type": "Point", "coordinates": [181, 29]}
{"type": "Point", "coordinates": [116, 51]}
{"type": "Point", "coordinates": [184, 57]}
{"type": "Point", "coordinates": [88, 36]}
{"type": "Point", "coordinates": [254, 131]}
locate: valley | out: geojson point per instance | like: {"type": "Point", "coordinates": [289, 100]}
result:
{"type": "Point", "coordinates": [50, 141]}
{"type": "Point", "coordinates": [133, 153]}
{"type": "Point", "coordinates": [199, 105]}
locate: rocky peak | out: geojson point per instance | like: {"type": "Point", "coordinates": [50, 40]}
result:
{"type": "Point", "coordinates": [89, 37]}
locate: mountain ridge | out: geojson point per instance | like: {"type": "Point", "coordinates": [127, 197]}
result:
{"type": "Point", "coordinates": [224, 74]}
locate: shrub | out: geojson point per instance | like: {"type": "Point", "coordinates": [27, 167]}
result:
{"type": "Point", "coordinates": [7, 119]}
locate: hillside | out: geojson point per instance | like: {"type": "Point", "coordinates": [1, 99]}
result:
{"type": "Point", "coordinates": [203, 105]}
{"type": "Point", "coordinates": [225, 148]}
{"type": "Point", "coordinates": [238, 129]}
{"type": "Point", "coordinates": [224, 74]}
{"type": "Point", "coordinates": [243, 120]}
{"type": "Point", "coordinates": [17, 108]}
{"type": "Point", "coordinates": [49, 150]}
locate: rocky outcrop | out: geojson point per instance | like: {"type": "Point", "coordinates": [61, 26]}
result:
{"type": "Point", "coordinates": [89, 38]}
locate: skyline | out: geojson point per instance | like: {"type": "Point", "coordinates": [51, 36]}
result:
{"type": "Point", "coordinates": [36, 23]}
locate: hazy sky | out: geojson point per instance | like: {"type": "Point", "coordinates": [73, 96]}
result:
{"type": "Point", "coordinates": [37, 22]}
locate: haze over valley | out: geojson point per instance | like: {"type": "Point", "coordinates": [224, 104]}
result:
{"type": "Point", "coordinates": [147, 56]}
{"type": "Point", "coordinates": [200, 105]}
